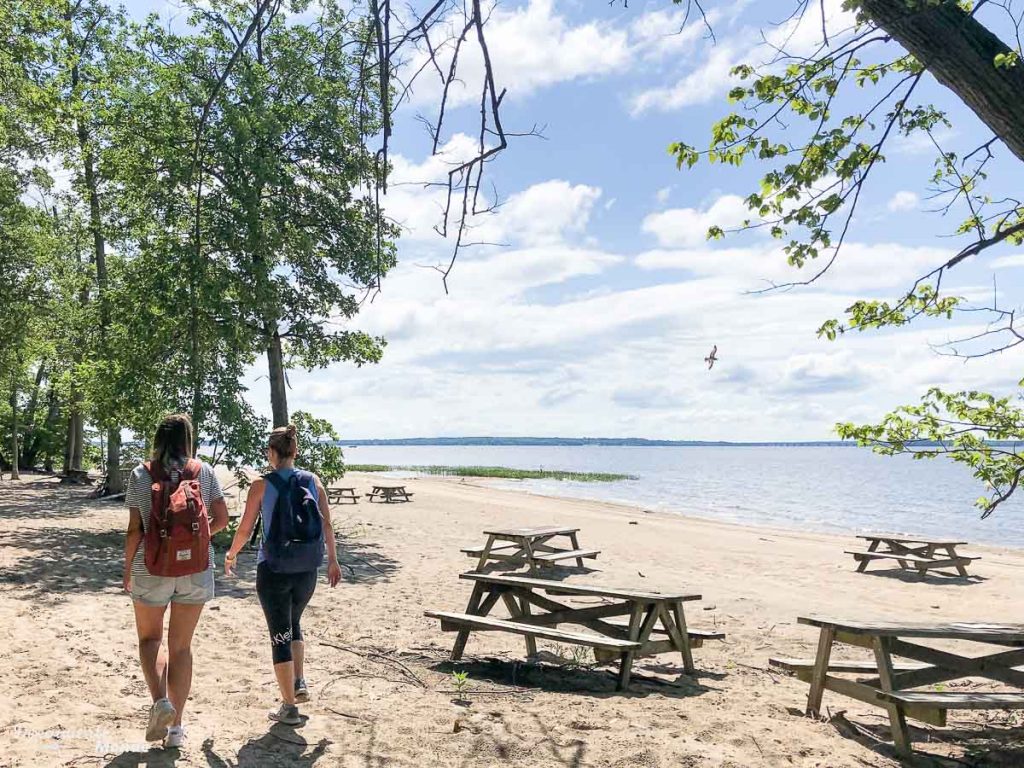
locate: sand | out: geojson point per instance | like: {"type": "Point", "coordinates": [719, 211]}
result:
{"type": "Point", "coordinates": [71, 692]}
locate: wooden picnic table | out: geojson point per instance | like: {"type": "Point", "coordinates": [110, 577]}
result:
{"type": "Point", "coordinates": [389, 494]}
{"type": "Point", "coordinates": [656, 622]}
{"type": "Point", "coordinates": [888, 682]}
{"type": "Point", "coordinates": [342, 495]}
{"type": "Point", "coordinates": [530, 547]}
{"type": "Point", "coordinates": [920, 554]}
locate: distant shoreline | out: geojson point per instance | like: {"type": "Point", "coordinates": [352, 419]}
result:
{"type": "Point", "coordinates": [589, 441]}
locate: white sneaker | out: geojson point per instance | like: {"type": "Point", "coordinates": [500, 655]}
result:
{"type": "Point", "coordinates": [161, 715]}
{"type": "Point", "coordinates": [175, 737]}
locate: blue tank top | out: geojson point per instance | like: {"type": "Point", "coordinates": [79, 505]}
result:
{"type": "Point", "coordinates": [270, 501]}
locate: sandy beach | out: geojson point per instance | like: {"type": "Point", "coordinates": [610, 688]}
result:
{"type": "Point", "coordinates": [71, 693]}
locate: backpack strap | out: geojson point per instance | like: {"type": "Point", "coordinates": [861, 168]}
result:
{"type": "Point", "coordinates": [275, 480]}
{"type": "Point", "coordinates": [192, 469]}
{"type": "Point", "coordinates": [156, 471]}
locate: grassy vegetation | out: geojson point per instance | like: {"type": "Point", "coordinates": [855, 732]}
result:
{"type": "Point", "coordinates": [497, 472]}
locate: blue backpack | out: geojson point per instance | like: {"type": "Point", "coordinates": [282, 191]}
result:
{"type": "Point", "coordinates": [295, 541]}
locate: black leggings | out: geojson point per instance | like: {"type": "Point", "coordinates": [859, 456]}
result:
{"type": "Point", "coordinates": [283, 596]}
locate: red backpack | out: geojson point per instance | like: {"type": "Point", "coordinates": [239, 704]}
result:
{"type": "Point", "coordinates": [178, 535]}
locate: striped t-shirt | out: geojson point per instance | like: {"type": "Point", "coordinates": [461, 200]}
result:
{"type": "Point", "coordinates": [138, 496]}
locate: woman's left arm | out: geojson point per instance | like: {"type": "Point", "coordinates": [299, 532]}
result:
{"type": "Point", "coordinates": [333, 569]}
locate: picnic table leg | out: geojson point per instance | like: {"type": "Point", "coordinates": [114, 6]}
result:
{"type": "Point", "coordinates": [825, 640]}
{"type": "Point", "coordinates": [865, 560]}
{"type": "Point", "coordinates": [463, 636]}
{"type": "Point", "coordinates": [640, 635]}
{"type": "Point", "coordinates": [531, 642]}
{"type": "Point", "coordinates": [897, 718]}
{"type": "Point", "coordinates": [684, 636]}
{"type": "Point", "coordinates": [576, 545]}
{"type": "Point", "coordinates": [486, 554]}
{"type": "Point", "coordinates": [959, 565]}
{"type": "Point", "coordinates": [527, 546]}
{"type": "Point", "coordinates": [516, 609]}
{"type": "Point", "coordinates": [626, 658]}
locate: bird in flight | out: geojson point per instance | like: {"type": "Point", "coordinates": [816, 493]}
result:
{"type": "Point", "coordinates": [710, 359]}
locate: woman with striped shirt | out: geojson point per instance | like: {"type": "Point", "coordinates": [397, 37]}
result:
{"type": "Point", "coordinates": [168, 672]}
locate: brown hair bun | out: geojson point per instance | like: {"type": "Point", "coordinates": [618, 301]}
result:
{"type": "Point", "coordinates": [285, 441]}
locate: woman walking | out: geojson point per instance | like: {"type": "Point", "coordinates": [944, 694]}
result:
{"type": "Point", "coordinates": [296, 523]}
{"type": "Point", "coordinates": [175, 504]}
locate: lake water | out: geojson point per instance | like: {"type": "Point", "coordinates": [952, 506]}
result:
{"type": "Point", "coordinates": [819, 488]}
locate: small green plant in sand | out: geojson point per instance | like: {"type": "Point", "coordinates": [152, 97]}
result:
{"type": "Point", "coordinates": [574, 656]}
{"type": "Point", "coordinates": [503, 473]}
{"type": "Point", "coordinates": [459, 682]}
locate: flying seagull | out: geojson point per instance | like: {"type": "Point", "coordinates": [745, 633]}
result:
{"type": "Point", "coordinates": [710, 359]}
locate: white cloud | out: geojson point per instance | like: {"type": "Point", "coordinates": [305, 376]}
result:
{"type": "Point", "coordinates": [710, 80]}
{"type": "Point", "coordinates": [1014, 260]}
{"type": "Point", "coordinates": [544, 213]}
{"type": "Point", "coordinates": [663, 194]}
{"type": "Point", "coordinates": [903, 201]}
{"type": "Point", "coordinates": [688, 227]}
{"type": "Point", "coordinates": [531, 47]}
{"type": "Point", "coordinates": [669, 32]}
{"type": "Point", "coordinates": [859, 267]}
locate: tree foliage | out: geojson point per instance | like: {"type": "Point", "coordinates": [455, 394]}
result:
{"type": "Point", "coordinates": [175, 205]}
{"type": "Point", "coordinates": [821, 124]}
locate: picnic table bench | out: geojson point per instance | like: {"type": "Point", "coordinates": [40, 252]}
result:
{"type": "Point", "coordinates": [530, 547]}
{"type": "Point", "coordinates": [910, 553]}
{"type": "Point", "coordinates": [389, 494]}
{"type": "Point", "coordinates": [887, 682]}
{"type": "Point", "coordinates": [640, 635]}
{"type": "Point", "coordinates": [342, 495]}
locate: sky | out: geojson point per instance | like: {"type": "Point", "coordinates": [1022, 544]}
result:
{"type": "Point", "coordinates": [593, 315]}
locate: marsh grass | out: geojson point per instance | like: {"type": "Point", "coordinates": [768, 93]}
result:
{"type": "Point", "coordinates": [507, 473]}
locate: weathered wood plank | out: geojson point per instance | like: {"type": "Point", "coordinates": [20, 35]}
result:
{"type": "Point", "coordinates": [909, 540]}
{"type": "Point", "coordinates": [867, 667]}
{"type": "Point", "coordinates": [999, 633]}
{"type": "Point", "coordinates": [956, 700]}
{"type": "Point", "coordinates": [454, 622]}
{"type": "Point", "coordinates": [568, 588]}
{"type": "Point", "coordinates": [567, 554]}
{"type": "Point", "coordinates": [550, 530]}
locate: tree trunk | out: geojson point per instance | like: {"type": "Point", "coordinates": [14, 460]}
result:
{"type": "Point", "coordinates": [69, 442]}
{"type": "Point", "coordinates": [15, 453]}
{"type": "Point", "coordinates": [77, 443]}
{"type": "Point", "coordinates": [99, 244]}
{"type": "Point", "coordinates": [52, 418]}
{"type": "Point", "coordinates": [114, 484]}
{"type": "Point", "coordinates": [960, 52]}
{"type": "Point", "coordinates": [278, 392]}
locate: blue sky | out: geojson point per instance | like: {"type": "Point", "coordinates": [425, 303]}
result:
{"type": "Point", "coordinates": [595, 316]}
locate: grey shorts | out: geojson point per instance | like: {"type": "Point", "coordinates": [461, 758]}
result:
{"type": "Point", "coordinates": [195, 589]}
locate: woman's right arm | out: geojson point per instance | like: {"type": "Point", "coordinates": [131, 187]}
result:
{"type": "Point", "coordinates": [131, 545]}
{"type": "Point", "coordinates": [245, 526]}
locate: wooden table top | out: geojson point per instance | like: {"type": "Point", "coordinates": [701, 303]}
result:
{"type": "Point", "coordinates": [389, 487]}
{"type": "Point", "coordinates": [909, 540]}
{"type": "Point", "coordinates": [568, 588]}
{"type": "Point", "coordinates": [526, 533]}
{"type": "Point", "coordinates": [984, 632]}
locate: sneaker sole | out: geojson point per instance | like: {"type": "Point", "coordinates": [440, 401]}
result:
{"type": "Point", "coordinates": [157, 729]}
{"type": "Point", "coordinates": [285, 721]}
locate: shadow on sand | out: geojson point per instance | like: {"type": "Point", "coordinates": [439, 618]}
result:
{"type": "Point", "coordinates": [595, 681]}
{"type": "Point", "coordinates": [56, 559]}
{"type": "Point", "coordinates": [987, 746]}
{"type": "Point", "coordinates": [933, 577]}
